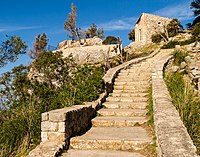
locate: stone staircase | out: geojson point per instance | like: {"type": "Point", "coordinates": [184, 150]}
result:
{"type": "Point", "coordinates": [119, 130]}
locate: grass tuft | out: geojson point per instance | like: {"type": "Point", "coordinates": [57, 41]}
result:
{"type": "Point", "coordinates": [150, 108]}
{"type": "Point", "coordinates": [187, 102]}
{"type": "Point", "coordinates": [179, 57]}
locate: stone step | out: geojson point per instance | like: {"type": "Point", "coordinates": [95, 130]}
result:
{"type": "Point", "coordinates": [99, 153]}
{"type": "Point", "coordinates": [109, 121]}
{"type": "Point", "coordinates": [122, 112]}
{"type": "Point", "coordinates": [127, 105]}
{"type": "Point", "coordinates": [133, 72]}
{"type": "Point", "coordinates": [127, 99]}
{"type": "Point", "coordinates": [123, 94]}
{"type": "Point", "coordinates": [140, 65]}
{"type": "Point", "coordinates": [134, 75]}
{"type": "Point", "coordinates": [144, 69]}
{"type": "Point", "coordinates": [131, 87]}
{"type": "Point", "coordinates": [130, 91]}
{"type": "Point", "coordinates": [129, 79]}
{"type": "Point", "coordinates": [132, 83]}
{"type": "Point", "coordinates": [112, 138]}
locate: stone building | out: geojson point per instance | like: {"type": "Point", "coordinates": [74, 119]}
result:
{"type": "Point", "coordinates": [147, 25]}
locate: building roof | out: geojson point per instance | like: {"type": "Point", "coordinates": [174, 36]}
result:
{"type": "Point", "coordinates": [147, 14]}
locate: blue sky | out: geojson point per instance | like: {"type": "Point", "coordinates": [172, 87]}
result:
{"type": "Point", "coordinates": [27, 18]}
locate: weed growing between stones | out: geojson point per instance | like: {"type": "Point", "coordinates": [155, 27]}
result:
{"type": "Point", "coordinates": [187, 102]}
{"type": "Point", "coordinates": [173, 43]}
{"type": "Point", "coordinates": [179, 57]}
{"type": "Point", "coordinates": [150, 150]}
{"type": "Point", "coordinates": [150, 108]}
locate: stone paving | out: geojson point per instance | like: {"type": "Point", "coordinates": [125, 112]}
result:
{"type": "Point", "coordinates": [118, 129]}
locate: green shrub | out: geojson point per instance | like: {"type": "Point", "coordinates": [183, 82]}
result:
{"type": "Point", "coordinates": [187, 103]}
{"type": "Point", "coordinates": [187, 42]}
{"type": "Point", "coordinates": [88, 82]}
{"type": "Point", "coordinates": [174, 27]}
{"type": "Point", "coordinates": [196, 31]}
{"type": "Point", "coordinates": [150, 107]}
{"type": "Point", "coordinates": [110, 40]}
{"type": "Point", "coordinates": [179, 57]}
{"type": "Point", "coordinates": [170, 45]}
{"type": "Point", "coordinates": [65, 84]}
{"type": "Point", "coordinates": [156, 38]}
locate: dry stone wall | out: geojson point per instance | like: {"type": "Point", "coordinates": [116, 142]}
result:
{"type": "Point", "coordinates": [172, 137]}
{"type": "Point", "coordinates": [58, 126]}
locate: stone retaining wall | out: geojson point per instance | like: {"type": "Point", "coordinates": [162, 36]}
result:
{"type": "Point", "coordinates": [172, 137]}
{"type": "Point", "coordinates": [58, 126]}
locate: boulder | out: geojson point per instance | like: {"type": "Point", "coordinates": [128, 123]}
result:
{"type": "Point", "coordinates": [62, 44]}
{"type": "Point", "coordinates": [94, 41]}
{"type": "Point", "coordinates": [174, 69]}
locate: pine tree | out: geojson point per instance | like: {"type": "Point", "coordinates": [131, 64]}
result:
{"type": "Point", "coordinates": [196, 6]}
{"type": "Point", "coordinates": [93, 31]}
{"type": "Point", "coordinates": [39, 46]}
{"type": "Point", "coordinates": [71, 26]}
{"type": "Point", "coordinates": [10, 49]}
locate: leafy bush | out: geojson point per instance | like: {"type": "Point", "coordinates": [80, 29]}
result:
{"type": "Point", "coordinates": [187, 103]}
{"type": "Point", "coordinates": [88, 82]}
{"type": "Point", "coordinates": [179, 57]}
{"type": "Point", "coordinates": [60, 83]}
{"type": "Point", "coordinates": [174, 27]}
{"type": "Point", "coordinates": [10, 49]}
{"type": "Point", "coordinates": [196, 31]}
{"type": "Point", "coordinates": [131, 35]}
{"type": "Point", "coordinates": [170, 45]}
{"type": "Point", "coordinates": [196, 20]}
{"type": "Point", "coordinates": [187, 42]}
{"type": "Point", "coordinates": [156, 38]}
{"type": "Point", "coordinates": [110, 40]}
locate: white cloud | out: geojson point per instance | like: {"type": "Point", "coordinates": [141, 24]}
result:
{"type": "Point", "coordinates": [181, 12]}
{"type": "Point", "coordinates": [17, 28]}
{"type": "Point", "coordinates": [2, 30]}
{"type": "Point", "coordinates": [120, 24]}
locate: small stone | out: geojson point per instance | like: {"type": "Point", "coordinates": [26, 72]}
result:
{"type": "Point", "coordinates": [192, 65]}
{"type": "Point", "coordinates": [195, 73]}
{"type": "Point", "coordinates": [44, 136]}
{"type": "Point", "coordinates": [178, 47]}
{"type": "Point", "coordinates": [174, 68]}
{"type": "Point", "coordinates": [198, 45]}
{"type": "Point", "coordinates": [61, 127]}
{"type": "Point", "coordinates": [49, 126]}
{"type": "Point", "coordinates": [183, 65]}
{"type": "Point", "coordinates": [182, 71]}
{"type": "Point", "coordinates": [45, 116]}
{"type": "Point", "coordinates": [188, 59]}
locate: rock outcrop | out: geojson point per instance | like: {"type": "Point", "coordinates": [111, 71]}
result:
{"type": "Point", "coordinates": [89, 50]}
